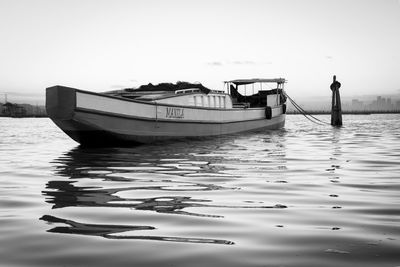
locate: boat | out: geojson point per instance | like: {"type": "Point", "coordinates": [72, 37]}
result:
{"type": "Point", "coordinates": [153, 113]}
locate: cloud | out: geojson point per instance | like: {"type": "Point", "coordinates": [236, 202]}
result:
{"type": "Point", "coordinates": [250, 62]}
{"type": "Point", "coordinates": [215, 63]}
{"type": "Point", "coordinates": [243, 62]}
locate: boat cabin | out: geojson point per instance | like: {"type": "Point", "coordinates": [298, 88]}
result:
{"type": "Point", "coordinates": [253, 93]}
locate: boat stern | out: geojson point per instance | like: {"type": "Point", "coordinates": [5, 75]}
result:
{"type": "Point", "coordinates": [60, 102]}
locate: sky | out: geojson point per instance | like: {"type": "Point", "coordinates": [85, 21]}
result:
{"type": "Point", "coordinates": [101, 45]}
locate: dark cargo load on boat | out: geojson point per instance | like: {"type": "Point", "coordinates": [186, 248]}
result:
{"type": "Point", "coordinates": [169, 87]}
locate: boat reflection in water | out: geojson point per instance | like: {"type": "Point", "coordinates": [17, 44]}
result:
{"type": "Point", "coordinates": [167, 179]}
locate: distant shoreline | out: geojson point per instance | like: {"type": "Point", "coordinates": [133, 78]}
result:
{"type": "Point", "coordinates": [314, 112]}
{"type": "Point", "coordinates": [28, 116]}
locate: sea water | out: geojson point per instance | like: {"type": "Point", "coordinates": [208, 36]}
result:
{"type": "Point", "coordinates": [305, 195]}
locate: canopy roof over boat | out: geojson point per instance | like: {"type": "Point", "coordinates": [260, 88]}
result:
{"type": "Point", "coordinates": [250, 81]}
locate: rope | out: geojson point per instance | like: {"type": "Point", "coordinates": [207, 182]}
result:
{"type": "Point", "coordinates": [304, 113]}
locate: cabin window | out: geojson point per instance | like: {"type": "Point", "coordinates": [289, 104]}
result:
{"type": "Point", "coordinates": [214, 101]}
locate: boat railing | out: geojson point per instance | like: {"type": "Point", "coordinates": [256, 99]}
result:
{"type": "Point", "coordinates": [193, 90]}
{"type": "Point", "coordinates": [217, 92]}
{"type": "Point", "coordinates": [187, 91]}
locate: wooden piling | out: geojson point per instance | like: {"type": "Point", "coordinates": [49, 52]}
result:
{"type": "Point", "coordinates": [336, 112]}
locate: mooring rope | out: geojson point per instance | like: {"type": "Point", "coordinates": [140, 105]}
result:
{"type": "Point", "coordinates": [304, 113]}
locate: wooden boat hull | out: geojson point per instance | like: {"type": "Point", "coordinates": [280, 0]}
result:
{"type": "Point", "coordinates": [100, 120]}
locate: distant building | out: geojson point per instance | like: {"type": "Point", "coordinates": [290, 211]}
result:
{"type": "Point", "coordinates": [21, 110]}
{"type": "Point", "coordinates": [381, 104]}
{"type": "Point", "coordinates": [13, 110]}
